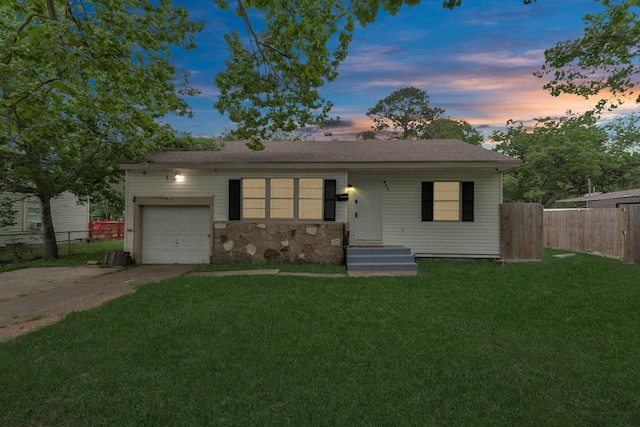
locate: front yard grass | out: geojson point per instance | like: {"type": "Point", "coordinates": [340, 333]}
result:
{"type": "Point", "coordinates": [554, 343]}
{"type": "Point", "coordinates": [77, 253]}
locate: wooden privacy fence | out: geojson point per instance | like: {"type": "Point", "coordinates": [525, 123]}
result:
{"type": "Point", "coordinates": [630, 233]}
{"type": "Point", "coordinates": [521, 232]}
{"type": "Point", "coordinates": [614, 232]}
{"type": "Point", "coordinates": [583, 230]}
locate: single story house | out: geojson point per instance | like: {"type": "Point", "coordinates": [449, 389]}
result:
{"type": "Point", "coordinates": [307, 201]}
{"type": "Point", "coordinates": [606, 200]}
{"type": "Point", "coordinates": [70, 219]}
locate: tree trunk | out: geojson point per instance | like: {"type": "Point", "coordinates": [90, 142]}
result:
{"type": "Point", "coordinates": [50, 245]}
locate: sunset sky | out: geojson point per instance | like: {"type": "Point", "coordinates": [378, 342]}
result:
{"type": "Point", "coordinates": [476, 62]}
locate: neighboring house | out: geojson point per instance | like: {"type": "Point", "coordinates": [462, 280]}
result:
{"type": "Point", "coordinates": [606, 200]}
{"type": "Point", "coordinates": [70, 219]}
{"type": "Point", "coordinates": [302, 201]}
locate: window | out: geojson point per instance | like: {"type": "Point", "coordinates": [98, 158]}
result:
{"type": "Point", "coordinates": [254, 193]}
{"type": "Point", "coordinates": [310, 199]}
{"type": "Point", "coordinates": [447, 201]}
{"type": "Point", "coordinates": [282, 198]}
{"type": "Point", "coordinates": [32, 217]}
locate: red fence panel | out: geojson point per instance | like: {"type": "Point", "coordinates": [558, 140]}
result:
{"type": "Point", "coordinates": [106, 230]}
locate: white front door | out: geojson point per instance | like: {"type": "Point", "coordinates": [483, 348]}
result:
{"type": "Point", "coordinates": [367, 211]}
{"type": "Point", "coordinates": [175, 234]}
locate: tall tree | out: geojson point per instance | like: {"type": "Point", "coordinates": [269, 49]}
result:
{"type": "Point", "coordinates": [83, 85]}
{"type": "Point", "coordinates": [406, 110]}
{"type": "Point", "coordinates": [444, 128]}
{"type": "Point", "coordinates": [560, 156]}
{"type": "Point", "coordinates": [605, 59]}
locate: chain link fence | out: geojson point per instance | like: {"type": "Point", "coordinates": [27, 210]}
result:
{"type": "Point", "coordinates": [28, 246]}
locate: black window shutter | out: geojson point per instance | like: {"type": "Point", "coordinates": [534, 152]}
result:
{"type": "Point", "coordinates": [329, 200]}
{"type": "Point", "coordinates": [427, 201]}
{"type": "Point", "coordinates": [467, 201]}
{"type": "Point", "coordinates": [234, 200]}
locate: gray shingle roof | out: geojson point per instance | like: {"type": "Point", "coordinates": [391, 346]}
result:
{"type": "Point", "coordinates": [375, 153]}
{"type": "Point", "coordinates": [603, 196]}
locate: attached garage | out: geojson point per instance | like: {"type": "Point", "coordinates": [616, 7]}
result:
{"type": "Point", "coordinates": [173, 231]}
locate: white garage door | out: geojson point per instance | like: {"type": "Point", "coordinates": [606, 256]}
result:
{"type": "Point", "coordinates": [175, 234]}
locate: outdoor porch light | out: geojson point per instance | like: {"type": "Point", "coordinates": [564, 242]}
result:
{"type": "Point", "coordinates": [178, 178]}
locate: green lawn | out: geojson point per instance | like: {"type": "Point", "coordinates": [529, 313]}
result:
{"type": "Point", "coordinates": [555, 343]}
{"type": "Point", "coordinates": [76, 253]}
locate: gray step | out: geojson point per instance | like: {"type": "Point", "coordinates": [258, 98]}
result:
{"type": "Point", "coordinates": [404, 266]}
{"type": "Point", "coordinates": [380, 259]}
{"type": "Point", "coordinates": [384, 259]}
{"type": "Point", "coordinates": [385, 250]}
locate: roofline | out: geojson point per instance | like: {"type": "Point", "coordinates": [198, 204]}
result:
{"type": "Point", "coordinates": [594, 199]}
{"type": "Point", "coordinates": [501, 166]}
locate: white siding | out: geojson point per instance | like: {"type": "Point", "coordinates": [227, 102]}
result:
{"type": "Point", "coordinates": [67, 213]}
{"type": "Point", "coordinates": [208, 183]}
{"type": "Point", "coordinates": [401, 214]}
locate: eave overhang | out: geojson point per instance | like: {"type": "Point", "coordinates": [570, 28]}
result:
{"type": "Point", "coordinates": [499, 166]}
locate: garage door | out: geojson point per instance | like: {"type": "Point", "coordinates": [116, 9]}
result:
{"type": "Point", "coordinates": [175, 234]}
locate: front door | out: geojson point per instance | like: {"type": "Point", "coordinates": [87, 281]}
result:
{"type": "Point", "coordinates": [367, 211]}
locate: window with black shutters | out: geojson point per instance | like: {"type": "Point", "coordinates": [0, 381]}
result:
{"type": "Point", "coordinates": [447, 201]}
{"type": "Point", "coordinates": [302, 199]}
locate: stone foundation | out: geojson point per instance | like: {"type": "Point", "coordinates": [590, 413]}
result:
{"type": "Point", "coordinates": [278, 243]}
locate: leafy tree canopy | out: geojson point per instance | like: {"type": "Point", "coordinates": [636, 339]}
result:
{"type": "Point", "coordinates": [83, 85]}
{"type": "Point", "coordinates": [7, 213]}
{"type": "Point", "coordinates": [405, 111]}
{"type": "Point", "coordinates": [366, 135]}
{"type": "Point", "coordinates": [445, 128]}
{"type": "Point", "coordinates": [605, 59]}
{"type": "Point", "coordinates": [560, 156]}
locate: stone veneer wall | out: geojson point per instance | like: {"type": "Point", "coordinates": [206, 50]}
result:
{"type": "Point", "coordinates": [278, 242]}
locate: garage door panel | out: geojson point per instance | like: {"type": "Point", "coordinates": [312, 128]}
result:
{"type": "Point", "coordinates": [175, 234]}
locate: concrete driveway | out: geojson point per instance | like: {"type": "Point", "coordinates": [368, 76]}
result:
{"type": "Point", "coordinates": [38, 296]}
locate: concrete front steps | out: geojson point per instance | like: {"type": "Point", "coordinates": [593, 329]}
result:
{"type": "Point", "coordinates": [380, 261]}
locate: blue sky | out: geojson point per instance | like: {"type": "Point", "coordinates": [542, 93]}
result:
{"type": "Point", "coordinates": [476, 62]}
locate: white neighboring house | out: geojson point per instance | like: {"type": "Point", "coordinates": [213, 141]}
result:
{"type": "Point", "coordinates": [70, 219]}
{"type": "Point", "coordinates": [439, 198]}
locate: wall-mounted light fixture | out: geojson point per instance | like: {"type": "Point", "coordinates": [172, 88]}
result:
{"type": "Point", "coordinates": [178, 178]}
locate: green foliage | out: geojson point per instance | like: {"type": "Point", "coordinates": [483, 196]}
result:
{"type": "Point", "coordinates": [272, 84]}
{"type": "Point", "coordinates": [444, 128]}
{"type": "Point", "coordinates": [604, 59]}
{"type": "Point", "coordinates": [406, 110]}
{"type": "Point", "coordinates": [366, 134]}
{"type": "Point", "coordinates": [82, 86]}
{"type": "Point", "coordinates": [7, 213]}
{"type": "Point", "coordinates": [559, 156]}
